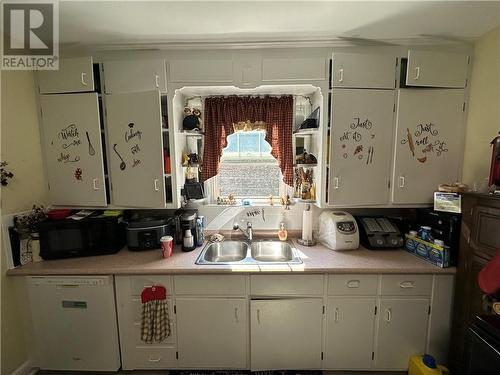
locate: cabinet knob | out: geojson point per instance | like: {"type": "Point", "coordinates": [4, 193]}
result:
{"type": "Point", "coordinates": [94, 184]}
{"type": "Point", "coordinates": [407, 284]}
{"type": "Point", "coordinates": [258, 316]}
{"type": "Point", "coordinates": [341, 74]}
{"type": "Point", "coordinates": [155, 182]}
{"type": "Point", "coordinates": [388, 315]}
{"type": "Point", "coordinates": [236, 315]}
{"type": "Point", "coordinates": [336, 183]}
{"type": "Point", "coordinates": [157, 80]}
{"type": "Point", "coordinates": [402, 182]}
{"type": "Point", "coordinates": [336, 315]}
{"type": "Point", "coordinates": [83, 77]}
{"type": "Point", "coordinates": [353, 284]}
{"type": "Point", "coordinates": [154, 359]}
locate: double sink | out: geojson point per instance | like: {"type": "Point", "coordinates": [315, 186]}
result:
{"type": "Point", "coordinates": [243, 252]}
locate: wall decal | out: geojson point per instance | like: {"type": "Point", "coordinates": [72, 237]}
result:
{"type": "Point", "coordinates": [78, 174]}
{"type": "Point", "coordinates": [91, 148]}
{"type": "Point", "coordinates": [122, 163]}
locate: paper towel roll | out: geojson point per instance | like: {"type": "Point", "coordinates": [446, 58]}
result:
{"type": "Point", "coordinates": [307, 225]}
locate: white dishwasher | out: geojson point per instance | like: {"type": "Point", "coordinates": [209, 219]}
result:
{"type": "Point", "coordinates": [74, 323]}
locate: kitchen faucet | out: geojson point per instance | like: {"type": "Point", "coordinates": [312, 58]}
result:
{"type": "Point", "coordinates": [248, 232]}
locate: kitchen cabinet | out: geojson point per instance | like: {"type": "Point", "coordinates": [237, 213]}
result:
{"type": "Point", "coordinates": [402, 331]}
{"type": "Point", "coordinates": [437, 69]}
{"type": "Point", "coordinates": [361, 145]}
{"type": "Point", "coordinates": [134, 75]}
{"type": "Point", "coordinates": [353, 320]}
{"type": "Point", "coordinates": [298, 68]}
{"type": "Point", "coordinates": [213, 332]}
{"type": "Point", "coordinates": [428, 144]}
{"type": "Point", "coordinates": [363, 70]}
{"type": "Point", "coordinates": [74, 75]}
{"type": "Point", "coordinates": [136, 354]}
{"type": "Point", "coordinates": [286, 333]}
{"type": "Point", "coordinates": [72, 148]}
{"type": "Point", "coordinates": [216, 70]}
{"type": "Point", "coordinates": [135, 149]}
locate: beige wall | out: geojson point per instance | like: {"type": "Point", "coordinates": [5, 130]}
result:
{"type": "Point", "coordinates": [483, 122]}
{"type": "Point", "coordinates": [20, 147]}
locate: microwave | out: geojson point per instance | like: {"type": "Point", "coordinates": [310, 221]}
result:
{"type": "Point", "coordinates": [95, 235]}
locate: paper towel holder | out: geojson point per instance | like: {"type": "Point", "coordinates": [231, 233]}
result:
{"type": "Point", "coordinates": [306, 242]}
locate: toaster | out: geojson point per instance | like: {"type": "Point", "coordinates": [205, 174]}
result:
{"type": "Point", "coordinates": [145, 233]}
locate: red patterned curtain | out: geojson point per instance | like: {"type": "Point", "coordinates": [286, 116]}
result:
{"type": "Point", "coordinates": [222, 112]}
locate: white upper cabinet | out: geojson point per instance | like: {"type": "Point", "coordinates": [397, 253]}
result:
{"type": "Point", "coordinates": [361, 145]}
{"type": "Point", "coordinates": [428, 144]}
{"type": "Point", "coordinates": [135, 149]}
{"type": "Point", "coordinates": [363, 70]}
{"type": "Point", "coordinates": [134, 75]}
{"type": "Point", "coordinates": [301, 69]}
{"type": "Point", "coordinates": [437, 69]}
{"type": "Point", "coordinates": [218, 70]}
{"type": "Point", "coordinates": [71, 135]}
{"type": "Point", "coordinates": [74, 75]}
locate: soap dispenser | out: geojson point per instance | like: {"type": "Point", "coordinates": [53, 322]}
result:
{"type": "Point", "coordinates": [282, 233]}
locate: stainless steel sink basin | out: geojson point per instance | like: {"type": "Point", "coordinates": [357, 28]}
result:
{"type": "Point", "coordinates": [223, 252]}
{"type": "Point", "coordinates": [241, 252]}
{"type": "Point", "coordinates": [273, 252]}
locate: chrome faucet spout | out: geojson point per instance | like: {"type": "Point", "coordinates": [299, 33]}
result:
{"type": "Point", "coordinates": [248, 232]}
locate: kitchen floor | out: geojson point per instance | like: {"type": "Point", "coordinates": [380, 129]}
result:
{"type": "Point", "coordinates": [226, 372]}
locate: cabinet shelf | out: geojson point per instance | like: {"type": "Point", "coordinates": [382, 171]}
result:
{"type": "Point", "coordinates": [306, 131]}
{"type": "Point", "coordinates": [305, 165]}
{"type": "Point", "coordinates": [192, 134]}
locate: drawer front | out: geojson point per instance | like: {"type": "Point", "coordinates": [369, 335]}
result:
{"type": "Point", "coordinates": [352, 285]}
{"type": "Point", "coordinates": [136, 309]}
{"type": "Point", "coordinates": [227, 285]}
{"type": "Point", "coordinates": [138, 283]}
{"type": "Point", "coordinates": [286, 285]}
{"type": "Point", "coordinates": [406, 285]}
{"type": "Point", "coordinates": [149, 358]}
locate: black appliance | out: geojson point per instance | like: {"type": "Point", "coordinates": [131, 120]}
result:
{"type": "Point", "coordinates": [145, 233]}
{"type": "Point", "coordinates": [187, 220]}
{"type": "Point", "coordinates": [93, 235]}
{"type": "Point", "coordinates": [483, 347]}
{"type": "Point", "coordinates": [379, 233]}
{"type": "Point", "coordinates": [444, 226]}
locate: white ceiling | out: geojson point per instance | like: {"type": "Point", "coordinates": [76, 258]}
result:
{"type": "Point", "coordinates": [124, 23]}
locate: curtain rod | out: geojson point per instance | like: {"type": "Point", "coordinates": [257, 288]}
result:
{"type": "Point", "coordinates": [201, 97]}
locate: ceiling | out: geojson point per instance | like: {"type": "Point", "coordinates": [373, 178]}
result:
{"type": "Point", "coordinates": [164, 23]}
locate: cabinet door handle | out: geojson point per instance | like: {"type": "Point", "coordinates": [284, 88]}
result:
{"type": "Point", "coordinates": [153, 359]}
{"type": "Point", "coordinates": [157, 80]}
{"type": "Point", "coordinates": [94, 183]}
{"type": "Point", "coordinates": [336, 315]}
{"type": "Point", "coordinates": [156, 184]}
{"type": "Point", "coordinates": [417, 73]}
{"type": "Point", "coordinates": [82, 78]}
{"type": "Point", "coordinates": [236, 315]}
{"type": "Point", "coordinates": [353, 284]}
{"type": "Point", "coordinates": [336, 183]}
{"type": "Point", "coordinates": [341, 74]}
{"type": "Point", "coordinates": [407, 284]}
{"type": "Point", "coordinates": [402, 181]}
{"type": "Point", "coordinates": [258, 316]}
{"type": "Point", "coordinates": [388, 315]}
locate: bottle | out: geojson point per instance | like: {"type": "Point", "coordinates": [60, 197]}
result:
{"type": "Point", "coordinates": [200, 235]}
{"type": "Point", "coordinates": [188, 242]}
{"type": "Point", "coordinates": [282, 233]}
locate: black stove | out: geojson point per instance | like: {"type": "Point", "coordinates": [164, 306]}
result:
{"type": "Point", "coordinates": [484, 346]}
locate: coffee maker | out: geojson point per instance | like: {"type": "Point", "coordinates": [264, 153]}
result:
{"type": "Point", "coordinates": [188, 232]}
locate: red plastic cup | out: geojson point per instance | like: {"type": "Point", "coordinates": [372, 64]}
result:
{"type": "Point", "coordinates": [167, 246]}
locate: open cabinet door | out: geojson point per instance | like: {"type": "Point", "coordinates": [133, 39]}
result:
{"type": "Point", "coordinates": [72, 148]}
{"type": "Point", "coordinates": [135, 149]}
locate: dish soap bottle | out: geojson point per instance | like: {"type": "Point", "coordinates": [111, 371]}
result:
{"type": "Point", "coordinates": [282, 233]}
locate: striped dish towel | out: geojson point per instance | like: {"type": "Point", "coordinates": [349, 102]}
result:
{"type": "Point", "coordinates": [155, 325]}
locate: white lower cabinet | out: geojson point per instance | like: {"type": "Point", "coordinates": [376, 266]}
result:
{"type": "Point", "coordinates": [350, 325]}
{"type": "Point", "coordinates": [402, 331]}
{"type": "Point", "coordinates": [286, 333]}
{"type": "Point", "coordinates": [212, 332]}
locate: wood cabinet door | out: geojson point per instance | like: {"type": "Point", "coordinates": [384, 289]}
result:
{"type": "Point", "coordinates": [286, 334]}
{"type": "Point", "coordinates": [362, 70]}
{"type": "Point", "coordinates": [486, 234]}
{"type": "Point", "coordinates": [134, 76]}
{"type": "Point", "coordinates": [71, 138]}
{"type": "Point", "coordinates": [361, 146]}
{"type": "Point", "coordinates": [74, 75]}
{"type": "Point", "coordinates": [428, 144]}
{"type": "Point", "coordinates": [402, 331]}
{"type": "Point", "coordinates": [212, 332]}
{"type": "Point", "coordinates": [135, 149]}
{"type": "Point", "coordinates": [350, 326]}
{"type": "Point", "coordinates": [437, 69]}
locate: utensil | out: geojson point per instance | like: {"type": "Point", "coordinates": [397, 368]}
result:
{"type": "Point", "coordinates": [122, 164]}
{"type": "Point", "coordinates": [91, 148]}
{"type": "Point", "coordinates": [371, 156]}
{"type": "Point", "coordinates": [411, 145]}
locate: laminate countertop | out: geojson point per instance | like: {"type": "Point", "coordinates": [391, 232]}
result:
{"type": "Point", "coordinates": [316, 259]}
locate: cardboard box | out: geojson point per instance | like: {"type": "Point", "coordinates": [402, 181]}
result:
{"type": "Point", "coordinates": [437, 255]}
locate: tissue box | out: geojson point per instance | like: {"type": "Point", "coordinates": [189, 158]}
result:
{"type": "Point", "coordinates": [437, 255]}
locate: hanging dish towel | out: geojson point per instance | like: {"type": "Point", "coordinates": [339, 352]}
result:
{"type": "Point", "coordinates": [155, 320]}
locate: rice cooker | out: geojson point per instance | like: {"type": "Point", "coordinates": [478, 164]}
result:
{"type": "Point", "coordinates": [338, 230]}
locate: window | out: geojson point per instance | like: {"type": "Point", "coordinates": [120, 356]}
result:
{"type": "Point", "coordinates": [247, 168]}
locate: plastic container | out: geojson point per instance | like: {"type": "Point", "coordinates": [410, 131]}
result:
{"type": "Point", "coordinates": [425, 365]}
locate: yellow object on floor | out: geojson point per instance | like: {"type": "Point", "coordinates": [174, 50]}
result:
{"type": "Point", "coordinates": [425, 365]}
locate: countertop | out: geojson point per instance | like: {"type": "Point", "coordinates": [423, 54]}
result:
{"type": "Point", "coordinates": [316, 259]}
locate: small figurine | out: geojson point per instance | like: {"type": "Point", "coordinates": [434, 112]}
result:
{"type": "Point", "coordinates": [271, 200]}
{"type": "Point", "coordinates": [192, 121]}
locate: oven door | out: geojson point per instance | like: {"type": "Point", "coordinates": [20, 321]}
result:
{"type": "Point", "coordinates": [484, 353]}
